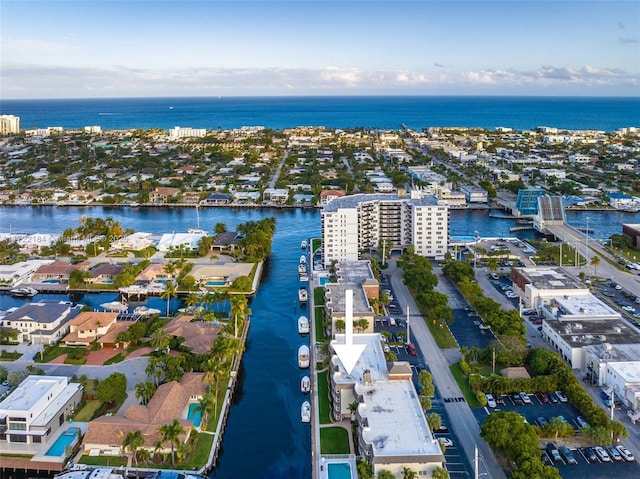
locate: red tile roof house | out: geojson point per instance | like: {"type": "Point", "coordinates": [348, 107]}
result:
{"type": "Point", "coordinates": [91, 325]}
{"type": "Point", "coordinates": [171, 401]}
{"type": "Point", "coordinates": [328, 195]}
{"type": "Point", "coordinates": [198, 335]}
{"type": "Point", "coordinates": [59, 270]}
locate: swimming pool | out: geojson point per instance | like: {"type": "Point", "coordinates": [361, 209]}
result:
{"type": "Point", "coordinates": [51, 281]}
{"type": "Point", "coordinates": [339, 470]}
{"type": "Point", "coordinates": [215, 283]}
{"type": "Point", "coordinates": [324, 281]}
{"type": "Point", "coordinates": [67, 438]}
{"type": "Point", "coordinates": [195, 414]}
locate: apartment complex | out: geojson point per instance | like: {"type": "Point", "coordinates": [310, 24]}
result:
{"type": "Point", "coordinates": [357, 223]}
{"type": "Point", "coordinates": [9, 124]}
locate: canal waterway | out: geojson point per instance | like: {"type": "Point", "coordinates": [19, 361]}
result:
{"type": "Point", "coordinates": [264, 437]}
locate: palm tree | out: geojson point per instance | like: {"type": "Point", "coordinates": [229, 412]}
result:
{"type": "Point", "coordinates": [205, 406]}
{"type": "Point", "coordinates": [168, 293]}
{"type": "Point", "coordinates": [408, 473]}
{"type": "Point", "coordinates": [171, 433]}
{"type": "Point", "coordinates": [133, 441]}
{"type": "Point", "coordinates": [385, 474]}
{"type": "Point", "coordinates": [191, 301]}
{"type": "Point", "coordinates": [239, 308]}
{"type": "Point", "coordinates": [213, 372]}
{"type": "Point", "coordinates": [160, 339]}
{"type": "Point", "coordinates": [145, 391]}
{"type": "Point", "coordinates": [595, 262]}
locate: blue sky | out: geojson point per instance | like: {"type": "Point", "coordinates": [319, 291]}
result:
{"type": "Point", "coordinates": [78, 49]}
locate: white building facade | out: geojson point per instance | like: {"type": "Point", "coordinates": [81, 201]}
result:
{"type": "Point", "coordinates": [9, 125]}
{"type": "Point", "coordinates": [356, 223]}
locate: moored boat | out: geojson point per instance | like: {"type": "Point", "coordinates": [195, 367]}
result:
{"type": "Point", "coordinates": [89, 472]}
{"type": "Point", "coordinates": [305, 412]}
{"type": "Point", "coordinates": [24, 292]}
{"type": "Point", "coordinates": [302, 295]}
{"type": "Point", "coordinates": [303, 325]}
{"type": "Point", "coordinates": [303, 259]}
{"type": "Point", "coordinates": [303, 245]}
{"type": "Point", "coordinates": [305, 384]}
{"type": "Point", "coordinates": [302, 268]}
{"type": "Point", "coordinates": [303, 357]}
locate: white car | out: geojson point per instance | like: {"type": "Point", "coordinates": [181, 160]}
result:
{"type": "Point", "coordinates": [525, 398]}
{"type": "Point", "coordinates": [626, 454]}
{"type": "Point", "coordinates": [446, 442]}
{"type": "Point", "coordinates": [602, 454]}
{"type": "Point", "coordinates": [491, 402]}
{"type": "Point", "coordinates": [561, 396]}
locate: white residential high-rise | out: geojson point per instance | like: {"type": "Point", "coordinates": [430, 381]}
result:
{"type": "Point", "coordinates": [187, 132]}
{"type": "Point", "coordinates": [357, 223]}
{"type": "Point", "coordinates": [9, 124]}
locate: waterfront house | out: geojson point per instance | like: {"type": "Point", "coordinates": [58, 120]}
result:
{"type": "Point", "coordinates": [198, 335]}
{"type": "Point", "coordinates": [275, 195]}
{"type": "Point", "coordinates": [163, 194]}
{"type": "Point", "coordinates": [104, 273]}
{"type": "Point", "coordinates": [34, 412]}
{"type": "Point", "coordinates": [227, 241]}
{"type": "Point", "coordinates": [89, 326]}
{"type": "Point", "coordinates": [216, 199]}
{"type": "Point", "coordinates": [328, 195]}
{"type": "Point", "coordinates": [57, 271]}
{"type": "Point", "coordinates": [13, 274]}
{"type": "Point", "coordinates": [171, 401]}
{"type": "Point", "coordinates": [220, 275]}
{"type": "Point", "coordinates": [42, 322]}
{"type": "Point", "coordinates": [151, 273]}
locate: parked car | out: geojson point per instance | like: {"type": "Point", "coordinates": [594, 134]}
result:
{"type": "Point", "coordinates": [602, 454]}
{"type": "Point", "coordinates": [568, 456]}
{"type": "Point", "coordinates": [491, 402]}
{"type": "Point", "coordinates": [517, 399]}
{"type": "Point", "coordinates": [543, 397]}
{"type": "Point", "coordinates": [525, 398]}
{"type": "Point", "coordinates": [445, 441]}
{"type": "Point", "coordinates": [553, 452]}
{"type": "Point", "coordinates": [582, 422]}
{"type": "Point", "coordinates": [626, 454]}
{"type": "Point", "coordinates": [561, 396]}
{"type": "Point", "coordinates": [541, 422]}
{"type": "Point", "coordinates": [614, 453]}
{"type": "Point", "coordinates": [553, 398]}
{"type": "Point", "coordinates": [443, 429]}
{"type": "Point", "coordinates": [392, 322]}
{"type": "Point", "coordinates": [411, 349]}
{"type": "Point", "coordinates": [589, 454]}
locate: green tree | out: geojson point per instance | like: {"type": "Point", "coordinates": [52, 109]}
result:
{"type": "Point", "coordinates": [220, 228]}
{"type": "Point", "coordinates": [595, 262]}
{"type": "Point", "coordinates": [133, 441]}
{"type": "Point", "coordinates": [408, 473]}
{"type": "Point", "coordinates": [385, 474]}
{"type": "Point", "coordinates": [434, 420]}
{"type": "Point", "coordinates": [113, 388]}
{"type": "Point", "coordinates": [168, 293]}
{"type": "Point", "coordinates": [440, 473]}
{"type": "Point", "coordinates": [171, 433]}
{"type": "Point", "coordinates": [145, 391]}
{"type": "Point", "coordinates": [160, 339]}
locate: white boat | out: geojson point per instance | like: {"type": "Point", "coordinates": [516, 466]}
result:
{"type": "Point", "coordinates": [305, 384]}
{"type": "Point", "coordinates": [304, 278]}
{"type": "Point", "coordinates": [305, 412]}
{"type": "Point", "coordinates": [303, 259]}
{"type": "Point", "coordinates": [302, 268]}
{"type": "Point", "coordinates": [303, 245]}
{"type": "Point", "coordinates": [303, 357]}
{"type": "Point", "coordinates": [303, 325]}
{"type": "Point", "coordinates": [302, 295]}
{"type": "Point", "coordinates": [89, 472]}
{"type": "Point", "coordinates": [144, 311]}
{"type": "Point", "coordinates": [24, 292]}
{"type": "Point", "coordinates": [115, 306]}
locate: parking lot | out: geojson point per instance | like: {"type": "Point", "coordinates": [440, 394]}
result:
{"type": "Point", "coordinates": [540, 408]}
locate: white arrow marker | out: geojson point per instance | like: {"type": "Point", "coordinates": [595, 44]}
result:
{"type": "Point", "coordinates": [348, 353]}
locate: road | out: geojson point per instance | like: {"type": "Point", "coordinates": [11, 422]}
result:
{"type": "Point", "coordinates": [276, 175]}
{"type": "Point", "coordinates": [462, 419]}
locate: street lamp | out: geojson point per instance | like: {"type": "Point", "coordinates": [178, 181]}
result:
{"type": "Point", "coordinates": [586, 252]}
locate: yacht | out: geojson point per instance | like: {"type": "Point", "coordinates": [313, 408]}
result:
{"type": "Point", "coordinates": [302, 268]}
{"type": "Point", "coordinates": [302, 295]}
{"type": "Point", "coordinates": [303, 245]}
{"type": "Point", "coordinates": [303, 259]}
{"type": "Point", "coordinates": [303, 325]}
{"type": "Point", "coordinates": [303, 357]}
{"type": "Point", "coordinates": [305, 412]}
{"type": "Point", "coordinates": [24, 292]}
{"type": "Point", "coordinates": [305, 385]}
{"type": "Point", "coordinates": [80, 471]}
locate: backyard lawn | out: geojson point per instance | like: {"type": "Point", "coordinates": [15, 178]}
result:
{"type": "Point", "coordinates": [324, 410]}
{"type": "Point", "coordinates": [334, 440]}
{"type": "Point", "coordinates": [85, 414]}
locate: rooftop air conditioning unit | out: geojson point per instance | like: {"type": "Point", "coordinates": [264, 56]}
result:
{"type": "Point", "coordinates": [607, 346]}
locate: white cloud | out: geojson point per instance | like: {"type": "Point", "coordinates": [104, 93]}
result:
{"type": "Point", "coordinates": [21, 81]}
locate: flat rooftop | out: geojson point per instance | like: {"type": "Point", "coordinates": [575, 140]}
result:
{"type": "Point", "coordinates": [594, 331]}
{"type": "Point", "coordinates": [335, 298]}
{"type": "Point", "coordinates": [354, 271]}
{"type": "Point", "coordinates": [396, 424]}
{"type": "Point", "coordinates": [352, 201]}
{"type": "Point", "coordinates": [583, 305]}
{"type": "Point", "coordinates": [549, 278]}
{"type": "Point", "coordinates": [617, 352]}
{"type": "Point", "coordinates": [372, 359]}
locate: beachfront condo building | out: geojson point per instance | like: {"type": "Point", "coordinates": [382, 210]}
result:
{"type": "Point", "coordinates": [9, 124]}
{"type": "Point", "coordinates": [355, 224]}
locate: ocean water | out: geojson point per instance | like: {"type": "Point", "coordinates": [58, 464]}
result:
{"type": "Point", "coordinates": [574, 113]}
